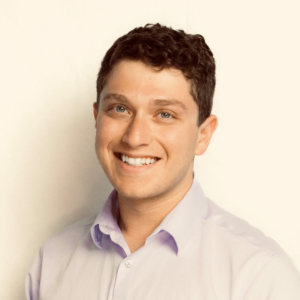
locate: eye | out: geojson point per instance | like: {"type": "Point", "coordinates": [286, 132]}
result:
{"type": "Point", "coordinates": [119, 108]}
{"type": "Point", "coordinates": [165, 115]}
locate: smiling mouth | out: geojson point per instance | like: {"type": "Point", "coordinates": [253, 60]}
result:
{"type": "Point", "coordinates": [136, 162]}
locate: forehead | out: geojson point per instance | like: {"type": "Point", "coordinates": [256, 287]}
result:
{"type": "Point", "coordinates": [136, 80]}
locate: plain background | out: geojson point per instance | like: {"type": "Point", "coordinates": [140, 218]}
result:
{"type": "Point", "coordinates": [50, 55]}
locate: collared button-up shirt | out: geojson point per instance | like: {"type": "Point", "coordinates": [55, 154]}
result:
{"type": "Point", "coordinates": [198, 252]}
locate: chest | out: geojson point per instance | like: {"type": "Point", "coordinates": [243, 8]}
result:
{"type": "Point", "coordinates": [154, 271]}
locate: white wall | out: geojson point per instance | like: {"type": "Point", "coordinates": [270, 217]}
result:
{"type": "Point", "coordinates": [49, 57]}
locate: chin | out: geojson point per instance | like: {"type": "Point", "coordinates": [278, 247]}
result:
{"type": "Point", "coordinates": [135, 193]}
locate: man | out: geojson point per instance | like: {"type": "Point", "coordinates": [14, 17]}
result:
{"type": "Point", "coordinates": [158, 236]}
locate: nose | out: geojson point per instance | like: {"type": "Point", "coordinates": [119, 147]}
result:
{"type": "Point", "coordinates": [137, 133]}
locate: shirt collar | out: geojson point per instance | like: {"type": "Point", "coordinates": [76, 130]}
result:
{"type": "Point", "coordinates": [180, 223]}
{"type": "Point", "coordinates": [186, 217]}
{"type": "Point", "coordinates": [106, 220]}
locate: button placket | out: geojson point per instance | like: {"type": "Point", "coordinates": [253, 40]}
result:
{"type": "Point", "coordinates": [128, 263]}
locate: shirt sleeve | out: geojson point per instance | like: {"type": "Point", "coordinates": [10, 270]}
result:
{"type": "Point", "coordinates": [32, 283]}
{"type": "Point", "coordinates": [278, 280]}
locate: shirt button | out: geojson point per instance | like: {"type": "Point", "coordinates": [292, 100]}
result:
{"type": "Point", "coordinates": [128, 263]}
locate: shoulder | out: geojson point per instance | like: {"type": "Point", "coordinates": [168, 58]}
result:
{"type": "Point", "coordinates": [232, 230]}
{"type": "Point", "coordinates": [70, 236]}
{"type": "Point", "coordinates": [235, 251]}
{"type": "Point", "coordinates": [77, 226]}
{"type": "Point", "coordinates": [279, 279]}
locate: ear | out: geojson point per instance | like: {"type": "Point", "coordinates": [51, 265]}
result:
{"type": "Point", "coordinates": [95, 106]}
{"type": "Point", "coordinates": [205, 133]}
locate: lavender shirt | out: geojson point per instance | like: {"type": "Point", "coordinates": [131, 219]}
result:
{"type": "Point", "coordinates": [198, 252]}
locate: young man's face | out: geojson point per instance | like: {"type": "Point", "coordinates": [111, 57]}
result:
{"type": "Point", "coordinates": [147, 114]}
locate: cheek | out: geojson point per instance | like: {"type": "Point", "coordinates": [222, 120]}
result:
{"type": "Point", "coordinates": [107, 129]}
{"type": "Point", "coordinates": [179, 141]}
{"type": "Point", "coordinates": [103, 135]}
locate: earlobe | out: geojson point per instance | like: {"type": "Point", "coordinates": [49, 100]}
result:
{"type": "Point", "coordinates": [95, 108]}
{"type": "Point", "coordinates": [205, 134]}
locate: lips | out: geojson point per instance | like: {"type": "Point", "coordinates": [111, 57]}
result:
{"type": "Point", "coordinates": [133, 168]}
{"type": "Point", "coordinates": [119, 154]}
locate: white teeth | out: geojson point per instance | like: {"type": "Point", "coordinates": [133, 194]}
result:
{"type": "Point", "coordinates": [137, 161]}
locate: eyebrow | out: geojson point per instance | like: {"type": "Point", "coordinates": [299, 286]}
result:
{"type": "Point", "coordinates": [154, 102]}
{"type": "Point", "coordinates": [166, 102]}
{"type": "Point", "coordinates": [109, 96]}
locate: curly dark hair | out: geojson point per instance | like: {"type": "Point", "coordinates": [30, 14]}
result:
{"type": "Point", "coordinates": [161, 47]}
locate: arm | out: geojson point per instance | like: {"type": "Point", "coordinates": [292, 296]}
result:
{"type": "Point", "coordinates": [32, 284]}
{"type": "Point", "coordinates": [278, 280]}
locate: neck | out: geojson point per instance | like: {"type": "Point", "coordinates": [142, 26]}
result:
{"type": "Point", "coordinates": [138, 219]}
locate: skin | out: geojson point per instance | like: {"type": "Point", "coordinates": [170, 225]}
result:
{"type": "Point", "coordinates": [128, 120]}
